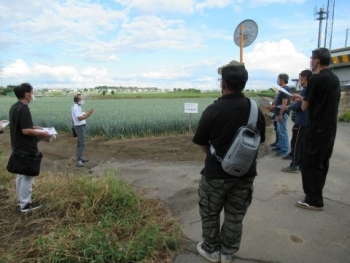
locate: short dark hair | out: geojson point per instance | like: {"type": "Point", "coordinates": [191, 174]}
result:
{"type": "Point", "coordinates": [306, 73]}
{"type": "Point", "coordinates": [284, 77]}
{"type": "Point", "coordinates": [235, 76]}
{"type": "Point", "coordinates": [76, 97]}
{"type": "Point", "coordinates": [20, 90]}
{"type": "Point", "coordinates": [322, 54]}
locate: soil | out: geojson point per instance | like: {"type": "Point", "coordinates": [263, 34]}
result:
{"type": "Point", "coordinates": [159, 165]}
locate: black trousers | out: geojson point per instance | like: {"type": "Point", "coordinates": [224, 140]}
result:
{"type": "Point", "coordinates": [296, 144]}
{"type": "Point", "coordinates": [318, 149]}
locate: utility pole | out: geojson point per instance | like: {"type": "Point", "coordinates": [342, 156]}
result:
{"type": "Point", "coordinates": [320, 16]}
{"type": "Point", "coordinates": [329, 24]}
{"type": "Point", "coordinates": [346, 37]}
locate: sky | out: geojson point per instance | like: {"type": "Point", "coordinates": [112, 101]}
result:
{"type": "Point", "coordinates": [157, 43]}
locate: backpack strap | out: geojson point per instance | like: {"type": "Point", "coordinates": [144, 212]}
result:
{"type": "Point", "coordinates": [253, 119]}
{"type": "Point", "coordinates": [253, 116]}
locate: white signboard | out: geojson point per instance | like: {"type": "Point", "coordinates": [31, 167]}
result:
{"type": "Point", "coordinates": [191, 107]}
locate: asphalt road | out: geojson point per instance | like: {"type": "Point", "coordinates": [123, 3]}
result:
{"type": "Point", "coordinates": [274, 230]}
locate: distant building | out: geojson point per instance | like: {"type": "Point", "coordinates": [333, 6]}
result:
{"type": "Point", "coordinates": [340, 65]}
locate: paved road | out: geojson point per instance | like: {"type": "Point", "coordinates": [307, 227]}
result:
{"type": "Point", "coordinates": [275, 230]}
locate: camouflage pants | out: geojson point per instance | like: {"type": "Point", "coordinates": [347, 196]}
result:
{"type": "Point", "coordinates": [234, 196]}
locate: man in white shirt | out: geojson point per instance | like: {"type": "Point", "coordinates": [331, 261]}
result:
{"type": "Point", "coordinates": [79, 119]}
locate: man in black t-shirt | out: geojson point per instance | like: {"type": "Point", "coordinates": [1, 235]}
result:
{"type": "Point", "coordinates": [217, 189]}
{"type": "Point", "coordinates": [322, 101]}
{"type": "Point", "coordinates": [281, 116]}
{"type": "Point", "coordinates": [24, 137]}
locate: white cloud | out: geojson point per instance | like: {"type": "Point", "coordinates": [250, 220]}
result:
{"type": "Point", "coordinates": [17, 68]}
{"type": "Point", "coordinates": [212, 4]}
{"type": "Point", "coordinates": [270, 58]}
{"type": "Point", "coordinates": [270, 2]}
{"type": "Point", "coordinates": [41, 74]}
{"type": "Point", "coordinates": [161, 6]}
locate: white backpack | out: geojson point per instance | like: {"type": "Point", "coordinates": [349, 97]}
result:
{"type": "Point", "coordinates": [244, 147]}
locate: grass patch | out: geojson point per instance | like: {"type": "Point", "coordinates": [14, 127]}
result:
{"type": "Point", "coordinates": [345, 117]}
{"type": "Point", "coordinates": [85, 219]}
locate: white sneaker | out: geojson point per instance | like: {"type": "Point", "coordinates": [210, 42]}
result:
{"type": "Point", "coordinates": [304, 205]}
{"type": "Point", "coordinates": [212, 257]}
{"type": "Point", "coordinates": [226, 258]}
{"type": "Point", "coordinates": [80, 164]}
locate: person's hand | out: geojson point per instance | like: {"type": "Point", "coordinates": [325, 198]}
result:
{"type": "Point", "coordinates": [271, 107]}
{"type": "Point", "coordinates": [296, 97]}
{"type": "Point", "coordinates": [279, 118]}
{"type": "Point", "coordinates": [91, 111]}
{"type": "Point", "coordinates": [284, 107]}
{"type": "Point", "coordinates": [45, 134]}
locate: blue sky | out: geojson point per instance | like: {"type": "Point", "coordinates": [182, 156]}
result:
{"type": "Point", "coordinates": [156, 43]}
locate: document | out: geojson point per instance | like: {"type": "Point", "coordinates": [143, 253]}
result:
{"type": "Point", "coordinates": [284, 91]}
{"type": "Point", "coordinates": [4, 123]}
{"type": "Point", "coordinates": [51, 130]}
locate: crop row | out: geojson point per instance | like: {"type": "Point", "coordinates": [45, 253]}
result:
{"type": "Point", "coordinates": [116, 118]}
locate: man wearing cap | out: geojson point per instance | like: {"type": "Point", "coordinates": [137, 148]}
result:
{"type": "Point", "coordinates": [217, 189]}
{"type": "Point", "coordinates": [322, 101]}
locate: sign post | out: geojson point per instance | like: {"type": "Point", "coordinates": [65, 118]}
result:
{"type": "Point", "coordinates": [190, 108]}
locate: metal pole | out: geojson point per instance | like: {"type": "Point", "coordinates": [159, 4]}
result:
{"type": "Point", "coordinates": [346, 37]}
{"type": "Point", "coordinates": [241, 43]}
{"type": "Point", "coordinates": [320, 18]}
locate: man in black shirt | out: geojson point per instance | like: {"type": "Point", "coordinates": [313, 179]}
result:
{"type": "Point", "coordinates": [24, 137]}
{"type": "Point", "coordinates": [322, 100]}
{"type": "Point", "coordinates": [217, 189]}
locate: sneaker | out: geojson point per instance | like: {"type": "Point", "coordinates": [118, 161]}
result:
{"type": "Point", "coordinates": [80, 164]}
{"type": "Point", "coordinates": [212, 257]}
{"type": "Point", "coordinates": [84, 160]}
{"type": "Point", "coordinates": [303, 204]}
{"type": "Point", "coordinates": [281, 153]}
{"type": "Point", "coordinates": [291, 169]}
{"type": "Point", "coordinates": [30, 207]}
{"type": "Point", "coordinates": [273, 144]}
{"type": "Point", "coordinates": [226, 258]}
{"type": "Point", "coordinates": [287, 157]}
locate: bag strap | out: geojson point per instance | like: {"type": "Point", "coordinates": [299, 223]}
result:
{"type": "Point", "coordinates": [253, 119]}
{"type": "Point", "coordinates": [253, 116]}
{"type": "Point", "coordinates": [16, 122]}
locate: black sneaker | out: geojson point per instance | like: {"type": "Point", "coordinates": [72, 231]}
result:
{"type": "Point", "coordinates": [30, 207]}
{"type": "Point", "coordinates": [84, 160]}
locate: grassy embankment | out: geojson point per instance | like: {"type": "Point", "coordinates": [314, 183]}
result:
{"type": "Point", "coordinates": [85, 219]}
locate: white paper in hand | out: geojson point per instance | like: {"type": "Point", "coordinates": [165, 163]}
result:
{"type": "Point", "coordinates": [4, 123]}
{"type": "Point", "coordinates": [284, 91]}
{"type": "Point", "coordinates": [50, 130]}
